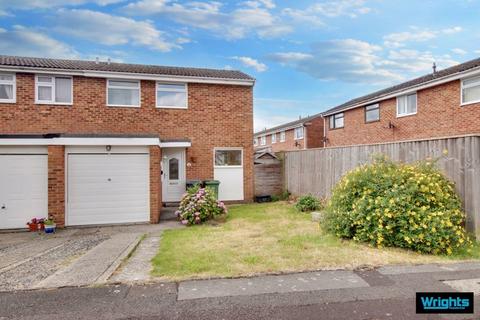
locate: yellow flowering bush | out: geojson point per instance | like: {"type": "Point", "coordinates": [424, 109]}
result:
{"type": "Point", "coordinates": [412, 206]}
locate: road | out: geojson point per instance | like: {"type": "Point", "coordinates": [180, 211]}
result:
{"type": "Point", "coordinates": [388, 296]}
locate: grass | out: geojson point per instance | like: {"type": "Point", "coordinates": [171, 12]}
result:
{"type": "Point", "coordinates": [270, 238]}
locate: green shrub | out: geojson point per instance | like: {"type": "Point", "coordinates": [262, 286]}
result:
{"type": "Point", "coordinates": [308, 203]}
{"type": "Point", "coordinates": [391, 204]}
{"type": "Point", "coordinates": [281, 197]}
{"type": "Point", "coordinates": [199, 205]}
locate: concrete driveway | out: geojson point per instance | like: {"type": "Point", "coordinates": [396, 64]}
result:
{"type": "Point", "coordinates": [71, 257]}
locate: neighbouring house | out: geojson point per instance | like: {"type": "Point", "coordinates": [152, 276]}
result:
{"type": "Point", "coordinates": [92, 142]}
{"type": "Point", "coordinates": [304, 133]}
{"type": "Point", "coordinates": [441, 104]}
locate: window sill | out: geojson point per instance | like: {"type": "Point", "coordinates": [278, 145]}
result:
{"type": "Point", "coordinates": [335, 128]}
{"type": "Point", "coordinates": [469, 103]}
{"type": "Point", "coordinates": [8, 101]}
{"type": "Point", "coordinates": [298, 138]}
{"type": "Point", "coordinates": [56, 104]}
{"type": "Point", "coordinates": [373, 121]}
{"type": "Point", "coordinates": [121, 106]}
{"type": "Point", "coordinates": [166, 107]}
{"type": "Point", "coordinates": [406, 115]}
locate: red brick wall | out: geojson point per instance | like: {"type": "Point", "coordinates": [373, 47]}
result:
{"type": "Point", "coordinates": [439, 114]}
{"type": "Point", "coordinates": [313, 134]}
{"type": "Point", "coordinates": [56, 184]}
{"type": "Point", "coordinates": [155, 188]}
{"type": "Point", "coordinates": [217, 116]}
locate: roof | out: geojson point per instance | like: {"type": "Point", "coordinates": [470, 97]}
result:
{"type": "Point", "coordinates": [469, 65]}
{"type": "Point", "coordinates": [289, 125]}
{"type": "Point", "coordinates": [85, 65]}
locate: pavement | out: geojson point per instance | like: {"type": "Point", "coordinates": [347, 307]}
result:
{"type": "Point", "coordinates": [369, 294]}
{"type": "Point", "coordinates": [72, 256]}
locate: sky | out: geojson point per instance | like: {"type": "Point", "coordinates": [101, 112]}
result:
{"type": "Point", "coordinates": [306, 56]}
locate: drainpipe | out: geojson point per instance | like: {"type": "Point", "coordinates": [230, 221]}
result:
{"type": "Point", "coordinates": [324, 132]}
{"type": "Point", "coordinates": [304, 137]}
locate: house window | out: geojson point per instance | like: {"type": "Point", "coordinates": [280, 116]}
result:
{"type": "Point", "coordinates": [407, 105]}
{"type": "Point", "coordinates": [298, 133]}
{"type": "Point", "coordinates": [7, 88]}
{"type": "Point", "coordinates": [53, 89]}
{"type": "Point", "coordinates": [224, 158]}
{"type": "Point", "coordinates": [123, 93]}
{"type": "Point", "coordinates": [255, 142]}
{"type": "Point", "coordinates": [171, 95]}
{"type": "Point", "coordinates": [173, 169]}
{"type": "Point", "coordinates": [336, 121]}
{"type": "Point", "coordinates": [372, 113]}
{"type": "Point", "coordinates": [263, 140]}
{"type": "Point", "coordinates": [274, 138]}
{"type": "Point", "coordinates": [282, 136]}
{"type": "Point", "coordinates": [471, 90]}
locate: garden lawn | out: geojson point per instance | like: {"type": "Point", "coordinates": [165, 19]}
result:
{"type": "Point", "coordinates": [269, 238]}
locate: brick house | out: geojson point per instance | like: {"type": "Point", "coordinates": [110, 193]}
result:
{"type": "Point", "coordinates": [92, 142]}
{"type": "Point", "coordinates": [441, 104]}
{"type": "Point", "coordinates": [304, 133]}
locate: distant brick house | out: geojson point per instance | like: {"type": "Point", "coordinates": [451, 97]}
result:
{"type": "Point", "coordinates": [440, 104]}
{"type": "Point", "coordinates": [94, 142]}
{"type": "Point", "coordinates": [305, 133]}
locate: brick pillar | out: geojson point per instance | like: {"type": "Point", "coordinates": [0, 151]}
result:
{"type": "Point", "coordinates": [155, 184]}
{"type": "Point", "coordinates": [56, 184]}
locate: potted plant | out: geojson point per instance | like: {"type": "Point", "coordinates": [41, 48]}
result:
{"type": "Point", "coordinates": [50, 225]}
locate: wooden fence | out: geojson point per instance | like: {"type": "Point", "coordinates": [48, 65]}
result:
{"type": "Point", "coordinates": [316, 171]}
{"type": "Point", "coordinates": [268, 175]}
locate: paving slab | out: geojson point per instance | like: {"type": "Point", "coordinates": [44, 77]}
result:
{"type": "Point", "coordinates": [96, 265]}
{"type": "Point", "coordinates": [465, 285]}
{"type": "Point", "coordinates": [394, 270]}
{"type": "Point", "coordinates": [301, 282]}
{"type": "Point", "coordinates": [139, 265]}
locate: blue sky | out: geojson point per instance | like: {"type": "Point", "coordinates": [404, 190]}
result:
{"type": "Point", "coordinates": [307, 56]}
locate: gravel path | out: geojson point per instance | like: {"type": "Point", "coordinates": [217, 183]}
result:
{"type": "Point", "coordinates": [26, 275]}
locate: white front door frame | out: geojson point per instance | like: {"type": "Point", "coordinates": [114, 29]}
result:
{"type": "Point", "coordinates": [173, 189]}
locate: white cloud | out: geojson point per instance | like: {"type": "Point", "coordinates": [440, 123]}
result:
{"type": "Point", "coordinates": [43, 4]}
{"type": "Point", "coordinates": [459, 51]}
{"type": "Point", "coordinates": [400, 39]}
{"type": "Point", "coordinates": [30, 42]}
{"type": "Point", "coordinates": [356, 61]}
{"type": "Point", "coordinates": [346, 60]}
{"type": "Point", "coordinates": [111, 30]}
{"type": "Point", "coordinates": [251, 17]}
{"type": "Point", "coordinates": [315, 14]}
{"type": "Point", "coordinates": [252, 63]}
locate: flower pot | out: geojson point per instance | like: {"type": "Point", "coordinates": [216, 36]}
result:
{"type": "Point", "coordinates": [50, 228]}
{"type": "Point", "coordinates": [32, 227]}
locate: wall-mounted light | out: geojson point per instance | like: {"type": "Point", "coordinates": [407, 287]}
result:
{"type": "Point", "coordinates": [108, 148]}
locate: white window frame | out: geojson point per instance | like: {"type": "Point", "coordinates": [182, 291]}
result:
{"type": "Point", "coordinates": [332, 119]}
{"type": "Point", "coordinates": [52, 85]}
{"type": "Point", "coordinates": [115, 87]}
{"type": "Point", "coordinates": [228, 149]}
{"type": "Point", "coordinates": [172, 90]}
{"type": "Point", "coordinates": [295, 133]}
{"type": "Point", "coordinates": [263, 140]}
{"type": "Point", "coordinates": [10, 82]}
{"type": "Point", "coordinates": [463, 86]}
{"type": "Point", "coordinates": [406, 108]}
{"type": "Point", "coordinates": [372, 107]}
{"type": "Point", "coordinates": [282, 136]}
{"type": "Point", "coordinates": [274, 137]}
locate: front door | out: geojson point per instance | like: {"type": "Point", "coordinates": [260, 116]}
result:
{"type": "Point", "coordinates": [173, 174]}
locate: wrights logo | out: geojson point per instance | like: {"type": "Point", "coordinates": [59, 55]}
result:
{"type": "Point", "coordinates": [444, 302]}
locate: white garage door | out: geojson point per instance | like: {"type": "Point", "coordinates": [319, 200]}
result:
{"type": "Point", "coordinates": [107, 188]}
{"type": "Point", "coordinates": [23, 185]}
{"type": "Point", "coordinates": [228, 170]}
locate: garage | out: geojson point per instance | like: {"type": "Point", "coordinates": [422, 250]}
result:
{"type": "Point", "coordinates": [23, 185]}
{"type": "Point", "coordinates": [107, 187]}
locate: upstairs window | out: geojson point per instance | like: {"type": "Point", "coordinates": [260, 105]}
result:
{"type": "Point", "coordinates": [406, 105]}
{"type": "Point", "coordinates": [172, 95]}
{"type": "Point", "coordinates": [123, 93]}
{"type": "Point", "coordinates": [298, 133]}
{"type": "Point", "coordinates": [263, 140]}
{"type": "Point", "coordinates": [336, 121]}
{"type": "Point", "coordinates": [7, 88]}
{"type": "Point", "coordinates": [372, 113]}
{"type": "Point", "coordinates": [282, 136]}
{"type": "Point", "coordinates": [274, 138]}
{"type": "Point", "coordinates": [53, 89]}
{"type": "Point", "coordinates": [471, 90]}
